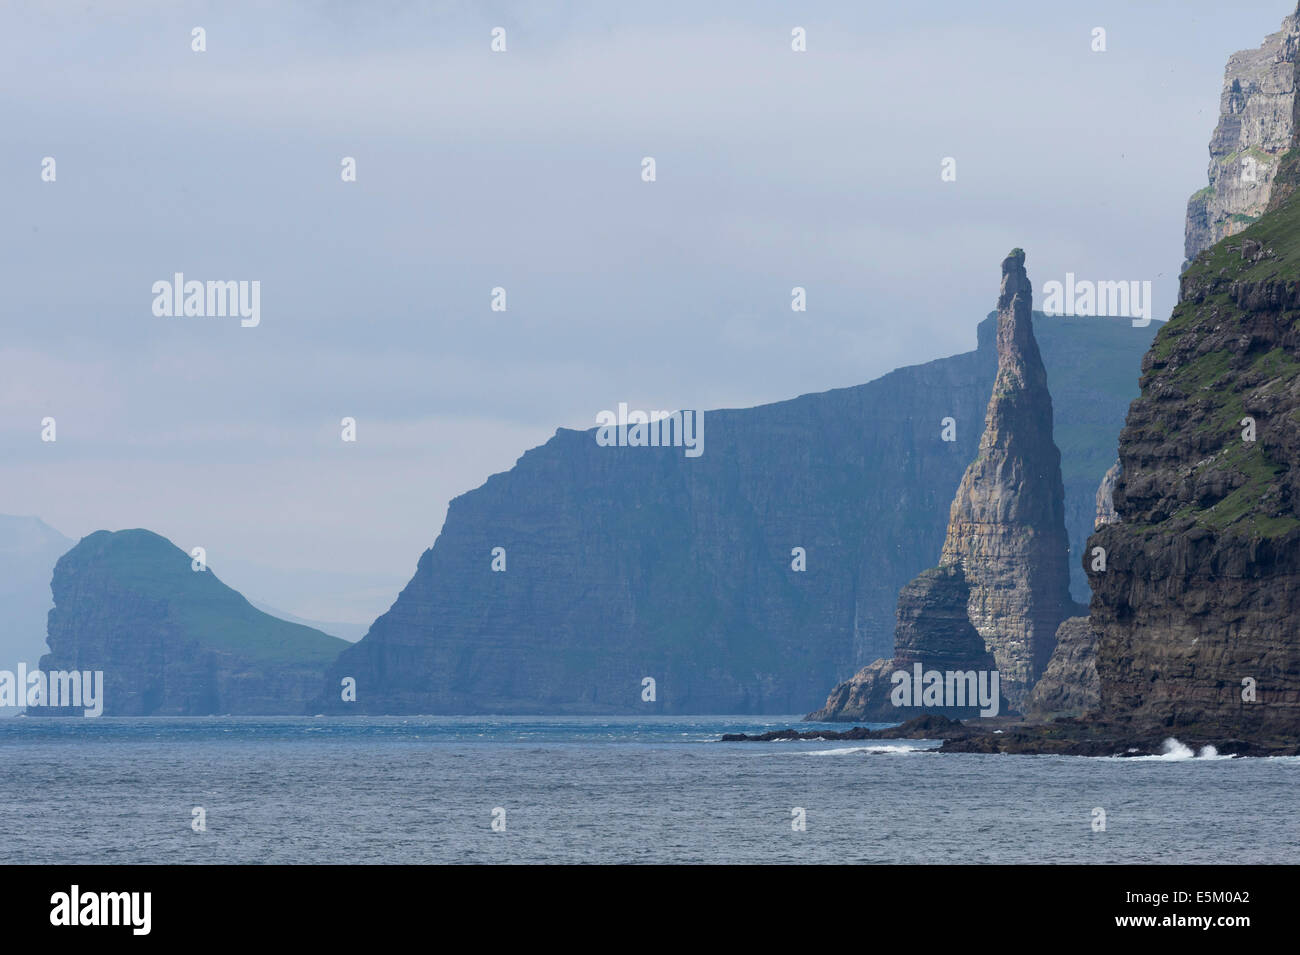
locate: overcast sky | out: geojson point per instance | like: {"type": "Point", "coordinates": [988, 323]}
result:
{"type": "Point", "coordinates": [522, 169]}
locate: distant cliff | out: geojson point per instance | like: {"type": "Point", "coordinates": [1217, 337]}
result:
{"type": "Point", "coordinates": [1256, 123]}
{"type": "Point", "coordinates": [173, 641]}
{"type": "Point", "coordinates": [28, 550]}
{"type": "Point", "coordinates": [628, 563]}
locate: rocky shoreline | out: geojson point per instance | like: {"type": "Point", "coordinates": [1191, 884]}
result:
{"type": "Point", "coordinates": [1063, 737]}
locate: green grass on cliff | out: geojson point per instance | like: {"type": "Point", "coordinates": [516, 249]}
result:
{"type": "Point", "coordinates": [1278, 230]}
{"type": "Point", "coordinates": [1243, 505]}
{"type": "Point", "coordinates": [128, 568]}
{"type": "Point", "coordinates": [1254, 152]}
{"type": "Point", "coordinates": [1211, 379]}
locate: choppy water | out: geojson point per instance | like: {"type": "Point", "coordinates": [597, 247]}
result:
{"type": "Point", "coordinates": [423, 789]}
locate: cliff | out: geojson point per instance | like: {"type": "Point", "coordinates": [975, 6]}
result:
{"type": "Point", "coordinates": [28, 550]}
{"type": "Point", "coordinates": [1198, 606]}
{"type": "Point", "coordinates": [626, 563]}
{"type": "Point", "coordinates": [1256, 123]}
{"type": "Point", "coordinates": [1189, 626]}
{"type": "Point", "coordinates": [1002, 585]}
{"type": "Point", "coordinates": [1106, 498]}
{"type": "Point", "coordinates": [1069, 686]}
{"type": "Point", "coordinates": [173, 641]}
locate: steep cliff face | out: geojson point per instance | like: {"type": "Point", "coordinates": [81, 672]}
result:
{"type": "Point", "coordinates": [1002, 585]}
{"type": "Point", "coordinates": [1256, 123]}
{"type": "Point", "coordinates": [1069, 686]}
{"type": "Point", "coordinates": [626, 563]}
{"type": "Point", "coordinates": [172, 641]}
{"type": "Point", "coordinates": [1199, 604]}
{"type": "Point", "coordinates": [1089, 372]}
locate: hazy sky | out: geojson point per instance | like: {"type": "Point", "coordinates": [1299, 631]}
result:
{"type": "Point", "coordinates": [523, 170]}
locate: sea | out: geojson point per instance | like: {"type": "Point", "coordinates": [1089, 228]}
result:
{"type": "Point", "coordinates": [526, 790]}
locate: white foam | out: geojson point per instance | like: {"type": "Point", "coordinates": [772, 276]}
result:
{"type": "Point", "coordinates": [1176, 752]}
{"type": "Point", "coordinates": [884, 750]}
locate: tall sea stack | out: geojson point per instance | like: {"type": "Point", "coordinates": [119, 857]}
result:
{"type": "Point", "coordinates": [1007, 524]}
{"type": "Point", "coordinates": [1002, 585]}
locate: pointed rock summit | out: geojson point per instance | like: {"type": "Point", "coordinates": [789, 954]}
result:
{"type": "Point", "coordinates": [1001, 589]}
{"type": "Point", "coordinates": [1007, 523]}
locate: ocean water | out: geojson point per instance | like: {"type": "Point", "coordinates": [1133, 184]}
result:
{"type": "Point", "coordinates": [605, 790]}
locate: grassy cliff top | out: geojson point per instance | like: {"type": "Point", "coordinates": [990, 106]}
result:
{"type": "Point", "coordinates": [1229, 352]}
{"type": "Point", "coordinates": [142, 564]}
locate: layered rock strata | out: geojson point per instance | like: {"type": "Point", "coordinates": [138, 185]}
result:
{"type": "Point", "coordinates": [1069, 686]}
{"type": "Point", "coordinates": [1198, 608]}
{"type": "Point", "coordinates": [1002, 585]}
{"type": "Point", "coordinates": [627, 563]}
{"type": "Point", "coordinates": [1256, 123]}
{"type": "Point", "coordinates": [1106, 498]}
{"type": "Point", "coordinates": [173, 641]}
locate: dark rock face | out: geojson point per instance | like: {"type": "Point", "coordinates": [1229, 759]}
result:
{"type": "Point", "coordinates": [1062, 737]}
{"type": "Point", "coordinates": [1069, 687]}
{"type": "Point", "coordinates": [1002, 585]}
{"type": "Point", "coordinates": [1199, 604]}
{"type": "Point", "coordinates": [172, 641]}
{"type": "Point", "coordinates": [1068, 737]}
{"type": "Point", "coordinates": [927, 726]}
{"type": "Point", "coordinates": [934, 630]}
{"type": "Point", "coordinates": [625, 563]}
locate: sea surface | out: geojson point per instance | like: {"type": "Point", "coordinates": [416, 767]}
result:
{"type": "Point", "coordinates": [606, 790]}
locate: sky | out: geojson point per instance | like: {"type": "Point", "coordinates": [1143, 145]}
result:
{"type": "Point", "coordinates": [522, 170]}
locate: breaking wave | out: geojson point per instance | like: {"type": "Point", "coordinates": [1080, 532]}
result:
{"type": "Point", "coordinates": [1175, 752]}
{"type": "Point", "coordinates": [882, 749]}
